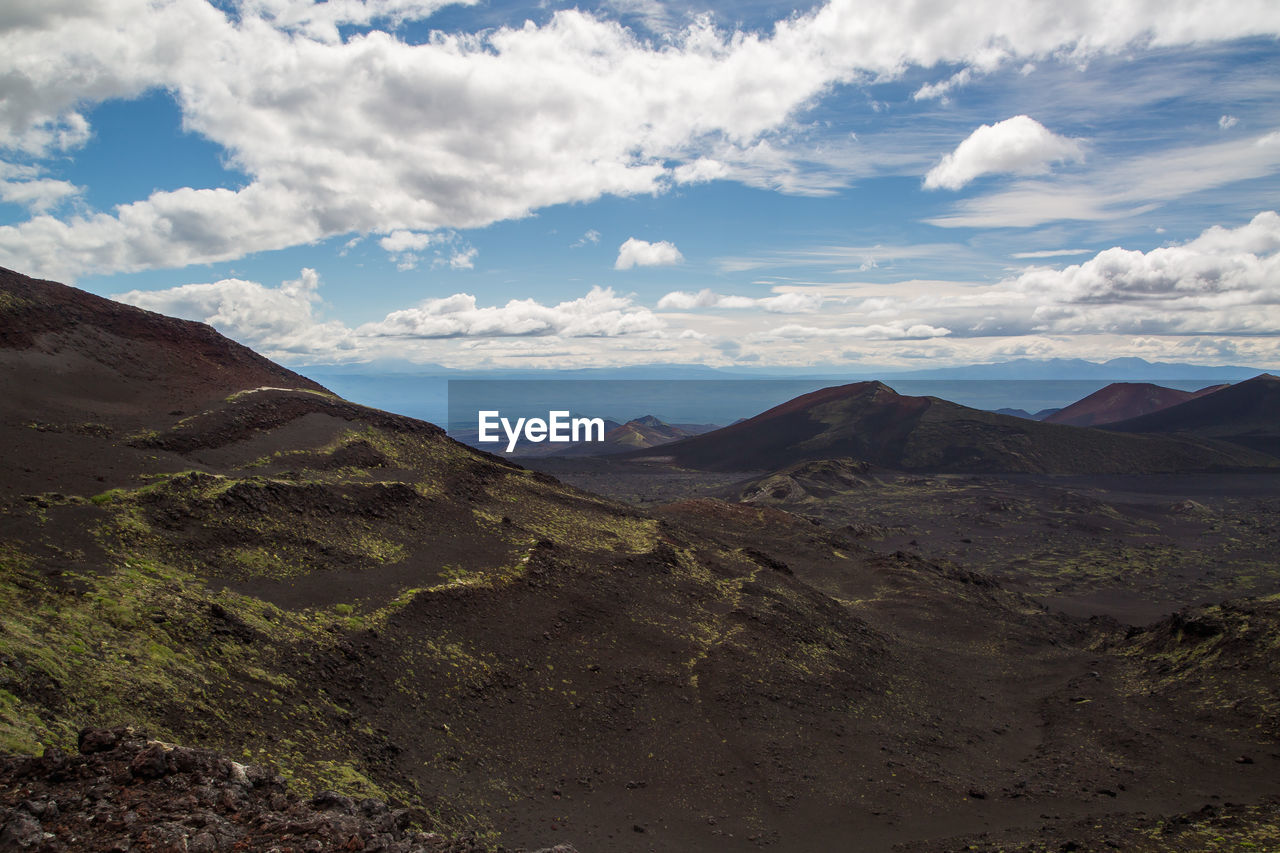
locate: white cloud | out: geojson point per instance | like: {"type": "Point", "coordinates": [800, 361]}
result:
{"type": "Point", "coordinates": [371, 134]}
{"type": "Point", "coordinates": [321, 20]}
{"type": "Point", "coordinates": [1120, 188]}
{"type": "Point", "coordinates": [932, 91]}
{"type": "Point", "coordinates": [1225, 280]}
{"type": "Point", "coordinates": [601, 313]}
{"type": "Point", "coordinates": [405, 248]}
{"type": "Point", "coordinates": [406, 241]}
{"type": "Point", "coordinates": [592, 237]}
{"type": "Point", "coordinates": [38, 194]}
{"type": "Point", "coordinates": [641, 253]}
{"type": "Point", "coordinates": [875, 331]}
{"type": "Point", "coordinates": [283, 322]}
{"type": "Point", "coordinates": [1228, 122]}
{"type": "Point", "coordinates": [793, 302]}
{"type": "Point", "coordinates": [463, 259]}
{"type": "Point", "coordinates": [1019, 146]}
{"type": "Point", "coordinates": [701, 171]}
{"type": "Point", "coordinates": [273, 320]}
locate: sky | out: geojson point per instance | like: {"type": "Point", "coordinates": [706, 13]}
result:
{"type": "Point", "coordinates": [619, 182]}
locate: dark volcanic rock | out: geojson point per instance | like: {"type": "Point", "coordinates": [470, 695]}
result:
{"type": "Point", "coordinates": [125, 791]}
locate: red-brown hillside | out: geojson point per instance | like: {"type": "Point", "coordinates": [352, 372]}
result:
{"type": "Point", "coordinates": [1123, 400]}
{"type": "Point", "coordinates": [69, 356]}
{"type": "Point", "coordinates": [1247, 413]}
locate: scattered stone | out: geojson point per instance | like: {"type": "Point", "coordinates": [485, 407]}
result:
{"type": "Point", "coordinates": [126, 792]}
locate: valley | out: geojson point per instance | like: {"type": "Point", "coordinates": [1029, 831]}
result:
{"type": "Point", "coordinates": [792, 649]}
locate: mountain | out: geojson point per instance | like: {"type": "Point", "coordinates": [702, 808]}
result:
{"type": "Point", "coordinates": [1120, 401]}
{"type": "Point", "coordinates": [643, 432]}
{"type": "Point", "coordinates": [1247, 414]}
{"type": "Point", "coordinates": [869, 421]}
{"type": "Point", "coordinates": [384, 618]}
{"type": "Point", "coordinates": [66, 351]}
{"type": "Point", "coordinates": [1078, 368]}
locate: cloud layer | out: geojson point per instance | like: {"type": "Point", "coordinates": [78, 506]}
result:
{"type": "Point", "coordinates": [783, 303]}
{"type": "Point", "coordinates": [1215, 297]}
{"type": "Point", "coordinates": [371, 134]}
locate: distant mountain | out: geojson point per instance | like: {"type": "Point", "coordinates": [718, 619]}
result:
{"type": "Point", "coordinates": [1247, 413]}
{"type": "Point", "coordinates": [1135, 369]}
{"type": "Point", "coordinates": [1042, 415]}
{"type": "Point", "coordinates": [647, 431]}
{"type": "Point", "coordinates": [1077, 368]}
{"type": "Point", "coordinates": [1123, 400]}
{"type": "Point", "coordinates": [638, 434]}
{"type": "Point", "coordinates": [871, 422]}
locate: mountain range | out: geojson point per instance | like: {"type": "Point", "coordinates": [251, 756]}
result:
{"type": "Point", "coordinates": [869, 421]}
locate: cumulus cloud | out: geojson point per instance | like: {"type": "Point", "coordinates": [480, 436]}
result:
{"type": "Point", "coordinates": [1226, 281]}
{"type": "Point", "coordinates": [641, 253]}
{"type": "Point", "coordinates": [1227, 122]}
{"type": "Point", "coordinates": [601, 313]}
{"type": "Point", "coordinates": [370, 134]}
{"type": "Point", "coordinates": [701, 171]}
{"type": "Point", "coordinates": [591, 237]}
{"type": "Point", "coordinates": [20, 184]}
{"type": "Point", "coordinates": [793, 302]}
{"type": "Point", "coordinates": [272, 320]}
{"type": "Point", "coordinates": [284, 321]}
{"type": "Point", "coordinates": [1019, 146]}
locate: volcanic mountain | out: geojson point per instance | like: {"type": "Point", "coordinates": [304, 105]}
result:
{"type": "Point", "coordinates": [871, 422]}
{"type": "Point", "coordinates": [200, 544]}
{"type": "Point", "coordinates": [1247, 414]}
{"type": "Point", "coordinates": [640, 433]}
{"type": "Point", "coordinates": [1123, 400]}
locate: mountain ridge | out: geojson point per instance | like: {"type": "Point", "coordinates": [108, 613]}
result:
{"type": "Point", "coordinates": [871, 422]}
{"type": "Point", "coordinates": [1121, 401]}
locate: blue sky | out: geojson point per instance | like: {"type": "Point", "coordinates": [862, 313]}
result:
{"type": "Point", "coordinates": [507, 184]}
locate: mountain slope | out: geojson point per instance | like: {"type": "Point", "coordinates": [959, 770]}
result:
{"type": "Point", "coordinates": [76, 354]}
{"type": "Point", "coordinates": [869, 421]}
{"type": "Point", "coordinates": [1123, 400]}
{"type": "Point", "coordinates": [1247, 414]}
{"type": "Point", "coordinates": [353, 598]}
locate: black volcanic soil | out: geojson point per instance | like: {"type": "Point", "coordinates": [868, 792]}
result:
{"type": "Point", "coordinates": [1134, 548]}
{"type": "Point", "coordinates": [361, 604]}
